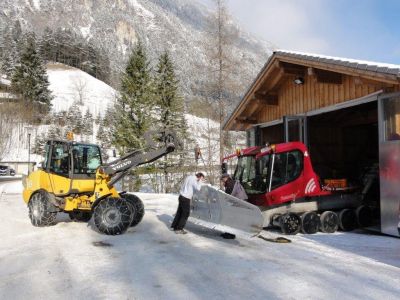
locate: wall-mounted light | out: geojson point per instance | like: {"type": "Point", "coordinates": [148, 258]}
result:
{"type": "Point", "coordinates": [299, 80]}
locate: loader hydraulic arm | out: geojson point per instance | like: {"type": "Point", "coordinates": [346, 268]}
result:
{"type": "Point", "coordinates": [118, 168]}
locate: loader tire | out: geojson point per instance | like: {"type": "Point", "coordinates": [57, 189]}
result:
{"type": "Point", "coordinates": [112, 216]}
{"type": "Point", "coordinates": [41, 211]}
{"type": "Point", "coordinates": [137, 208]}
{"type": "Point", "coordinates": [80, 216]}
{"type": "Point", "coordinates": [329, 222]}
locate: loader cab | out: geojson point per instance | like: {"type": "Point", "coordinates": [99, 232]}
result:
{"type": "Point", "coordinates": [71, 159]}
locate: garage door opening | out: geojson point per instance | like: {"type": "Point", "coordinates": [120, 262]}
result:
{"type": "Point", "coordinates": [343, 144]}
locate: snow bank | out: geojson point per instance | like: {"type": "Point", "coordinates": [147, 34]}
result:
{"type": "Point", "coordinates": [69, 84]}
{"type": "Point", "coordinates": [14, 187]}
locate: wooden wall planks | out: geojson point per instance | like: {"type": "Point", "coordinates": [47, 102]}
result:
{"type": "Point", "coordinates": [297, 99]}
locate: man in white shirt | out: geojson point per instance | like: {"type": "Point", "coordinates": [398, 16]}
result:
{"type": "Point", "coordinates": [191, 183]}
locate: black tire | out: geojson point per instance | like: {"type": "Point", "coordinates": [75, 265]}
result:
{"type": "Point", "coordinates": [329, 222]}
{"type": "Point", "coordinates": [41, 211]}
{"type": "Point", "coordinates": [80, 216]}
{"type": "Point", "coordinates": [137, 208]}
{"type": "Point", "coordinates": [112, 216]}
{"type": "Point", "coordinates": [290, 223]}
{"type": "Point", "coordinates": [347, 219]}
{"type": "Point", "coordinates": [309, 222]}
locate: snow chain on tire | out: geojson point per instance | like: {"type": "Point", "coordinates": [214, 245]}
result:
{"type": "Point", "coordinates": [112, 216]}
{"type": "Point", "coordinates": [137, 208]}
{"type": "Point", "coordinates": [41, 211]}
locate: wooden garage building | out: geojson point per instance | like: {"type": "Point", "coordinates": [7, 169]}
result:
{"type": "Point", "coordinates": [346, 111]}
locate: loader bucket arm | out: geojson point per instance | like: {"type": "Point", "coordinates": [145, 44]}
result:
{"type": "Point", "coordinates": [117, 169]}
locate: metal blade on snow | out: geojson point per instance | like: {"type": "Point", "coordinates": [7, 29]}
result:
{"type": "Point", "coordinates": [219, 210]}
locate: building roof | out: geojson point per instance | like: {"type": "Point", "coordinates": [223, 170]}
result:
{"type": "Point", "coordinates": [390, 69]}
{"type": "Point", "coordinates": [373, 70]}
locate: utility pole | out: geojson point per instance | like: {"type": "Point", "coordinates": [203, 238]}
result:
{"type": "Point", "coordinates": [220, 55]}
{"type": "Point", "coordinates": [29, 152]}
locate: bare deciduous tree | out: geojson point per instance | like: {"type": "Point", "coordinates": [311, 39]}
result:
{"type": "Point", "coordinates": [80, 86]}
{"type": "Point", "coordinates": [7, 121]}
{"type": "Point", "coordinates": [221, 39]}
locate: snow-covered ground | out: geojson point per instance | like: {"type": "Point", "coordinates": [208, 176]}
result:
{"type": "Point", "coordinates": [72, 261]}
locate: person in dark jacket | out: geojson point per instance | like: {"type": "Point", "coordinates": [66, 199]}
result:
{"type": "Point", "coordinates": [233, 187]}
{"type": "Point", "coordinates": [228, 183]}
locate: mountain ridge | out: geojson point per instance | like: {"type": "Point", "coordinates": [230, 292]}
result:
{"type": "Point", "coordinates": [176, 26]}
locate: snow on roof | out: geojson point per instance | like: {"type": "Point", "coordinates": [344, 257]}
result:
{"type": "Point", "coordinates": [391, 69]}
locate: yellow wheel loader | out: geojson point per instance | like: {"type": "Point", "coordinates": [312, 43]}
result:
{"type": "Point", "coordinates": [73, 179]}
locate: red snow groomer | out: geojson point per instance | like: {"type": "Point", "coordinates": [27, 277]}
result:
{"type": "Point", "coordinates": [280, 180]}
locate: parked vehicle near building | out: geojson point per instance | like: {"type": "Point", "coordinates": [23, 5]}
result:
{"type": "Point", "coordinates": [6, 171]}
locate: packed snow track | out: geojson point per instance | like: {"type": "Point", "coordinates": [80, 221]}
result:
{"type": "Point", "coordinates": [72, 261]}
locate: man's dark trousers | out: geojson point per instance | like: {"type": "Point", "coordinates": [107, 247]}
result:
{"type": "Point", "coordinates": [182, 213]}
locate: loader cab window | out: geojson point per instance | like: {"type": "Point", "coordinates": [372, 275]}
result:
{"type": "Point", "coordinates": [86, 159]}
{"type": "Point", "coordinates": [253, 174]}
{"type": "Point", "coordinates": [59, 162]}
{"type": "Point", "coordinates": [287, 167]}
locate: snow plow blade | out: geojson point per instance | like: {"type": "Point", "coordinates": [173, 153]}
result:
{"type": "Point", "coordinates": [215, 209]}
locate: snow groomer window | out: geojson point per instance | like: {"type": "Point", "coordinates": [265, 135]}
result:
{"type": "Point", "coordinates": [287, 167]}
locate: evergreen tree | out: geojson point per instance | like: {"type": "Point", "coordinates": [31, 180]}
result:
{"type": "Point", "coordinates": [98, 119]}
{"type": "Point", "coordinates": [104, 132]}
{"type": "Point", "coordinates": [88, 123]}
{"type": "Point", "coordinates": [74, 119]}
{"type": "Point", "coordinates": [40, 142]}
{"type": "Point", "coordinates": [9, 56]}
{"type": "Point", "coordinates": [54, 132]}
{"type": "Point", "coordinates": [79, 126]}
{"type": "Point", "coordinates": [30, 79]}
{"type": "Point", "coordinates": [17, 31]}
{"type": "Point", "coordinates": [47, 45]}
{"type": "Point", "coordinates": [60, 118]}
{"type": "Point", "coordinates": [100, 132]}
{"type": "Point", "coordinates": [106, 127]}
{"type": "Point", "coordinates": [169, 102]}
{"type": "Point", "coordinates": [171, 114]}
{"type": "Point", "coordinates": [134, 107]}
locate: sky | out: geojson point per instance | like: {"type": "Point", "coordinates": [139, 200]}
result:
{"type": "Point", "coordinates": [359, 29]}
